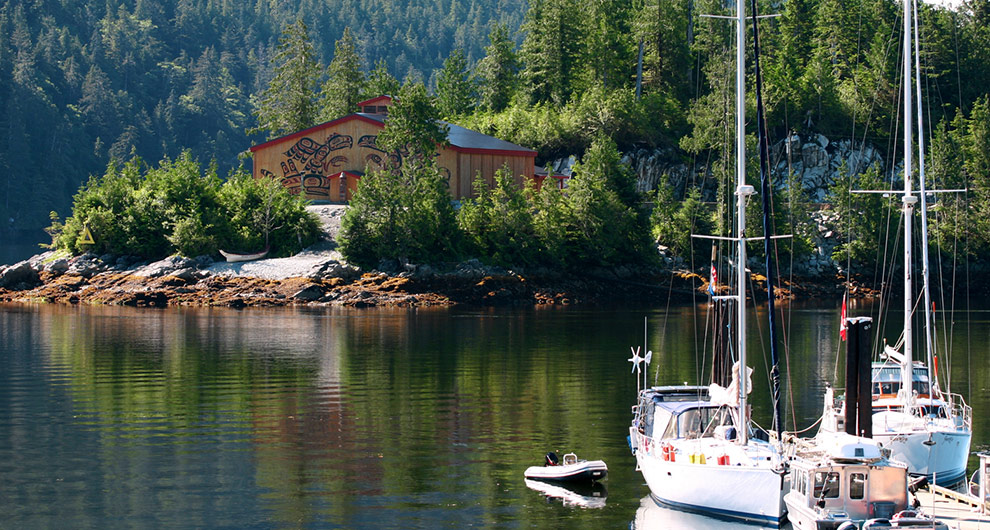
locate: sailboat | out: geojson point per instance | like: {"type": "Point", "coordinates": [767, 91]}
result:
{"type": "Point", "coordinates": [922, 426]}
{"type": "Point", "coordinates": [696, 446]}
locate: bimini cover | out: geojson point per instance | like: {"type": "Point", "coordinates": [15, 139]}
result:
{"type": "Point", "coordinates": [730, 396]}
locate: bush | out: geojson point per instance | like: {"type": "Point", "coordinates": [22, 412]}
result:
{"type": "Point", "coordinates": [405, 215]}
{"type": "Point", "coordinates": [498, 223]}
{"type": "Point", "coordinates": [261, 213]}
{"type": "Point", "coordinates": [178, 208]}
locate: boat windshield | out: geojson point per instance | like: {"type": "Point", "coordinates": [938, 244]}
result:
{"type": "Point", "coordinates": [887, 380]}
{"type": "Point", "coordinates": [698, 422]}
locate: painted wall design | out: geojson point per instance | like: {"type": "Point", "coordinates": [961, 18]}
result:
{"type": "Point", "coordinates": [325, 163]}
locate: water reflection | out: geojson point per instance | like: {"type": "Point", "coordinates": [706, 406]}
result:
{"type": "Point", "coordinates": [655, 516]}
{"type": "Point", "coordinates": [337, 418]}
{"type": "Point", "coordinates": [587, 495]}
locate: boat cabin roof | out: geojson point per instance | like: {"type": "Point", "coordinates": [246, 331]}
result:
{"type": "Point", "coordinates": [891, 373]}
{"type": "Point", "coordinates": [677, 399]}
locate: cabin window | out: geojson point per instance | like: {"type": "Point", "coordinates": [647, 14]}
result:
{"type": "Point", "coordinates": [857, 485]}
{"type": "Point", "coordinates": [826, 485]}
{"type": "Point", "coordinates": [701, 422]}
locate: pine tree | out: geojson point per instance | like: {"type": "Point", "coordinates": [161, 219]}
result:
{"type": "Point", "coordinates": [287, 104]}
{"type": "Point", "coordinates": [497, 72]}
{"type": "Point", "coordinates": [552, 50]}
{"type": "Point", "coordinates": [380, 82]}
{"type": "Point", "coordinates": [455, 91]}
{"type": "Point", "coordinates": [343, 88]}
{"type": "Point", "coordinates": [609, 53]}
{"type": "Point", "coordinates": [413, 127]}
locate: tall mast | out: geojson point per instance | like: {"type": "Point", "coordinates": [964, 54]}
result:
{"type": "Point", "coordinates": [742, 193]}
{"type": "Point", "coordinates": [908, 200]}
{"type": "Point", "coordinates": [765, 190]}
{"type": "Point", "coordinates": [925, 287]}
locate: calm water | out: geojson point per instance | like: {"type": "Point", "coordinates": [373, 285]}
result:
{"type": "Point", "coordinates": [113, 417]}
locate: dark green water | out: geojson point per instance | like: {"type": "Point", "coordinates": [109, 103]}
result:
{"type": "Point", "coordinates": [117, 417]}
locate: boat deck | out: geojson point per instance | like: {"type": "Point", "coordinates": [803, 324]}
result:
{"type": "Point", "coordinates": [956, 509]}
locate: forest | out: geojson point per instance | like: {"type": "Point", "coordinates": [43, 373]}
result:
{"type": "Point", "coordinates": [84, 83]}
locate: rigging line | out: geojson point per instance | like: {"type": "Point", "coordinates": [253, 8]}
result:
{"type": "Point", "coordinates": [806, 429]}
{"type": "Point", "coordinates": [694, 312]}
{"type": "Point", "coordinates": [969, 329]}
{"type": "Point", "coordinates": [890, 44]}
{"type": "Point", "coordinates": [889, 269]}
{"type": "Point", "coordinates": [663, 329]}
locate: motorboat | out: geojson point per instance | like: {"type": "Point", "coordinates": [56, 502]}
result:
{"type": "Point", "coordinates": [837, 478]}
{"type": "Point", "coordinates": [571, 469]}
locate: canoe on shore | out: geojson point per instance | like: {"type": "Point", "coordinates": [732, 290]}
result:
{"type": "Point", "coordinates": [232, 257]}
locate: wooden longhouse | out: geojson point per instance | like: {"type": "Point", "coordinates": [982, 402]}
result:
{"type": "Point", "coordinates": [327, 161]}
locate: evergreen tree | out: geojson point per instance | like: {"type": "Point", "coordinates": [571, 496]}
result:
{"type": "Point", "coordinates": [605, 231]}
{"type": "Point", "coordinates": [664, 29]}
{"type": "Point", "coordinates": [455, 92]}
{"type": "Point", "coordinates": [380, 82]}
{"type": "Point", "coordinates": [552, 50]}
{"type": "Point", "coordinates": [498, 221]}
{"type": "Point", "coordinates": [287, 104]}
{"type": "Point", "coordinates": [497, 72]}
{"type": "Point", "coordinates": [413, 127]}
{"type": "Point", "coordinates": [609, 54]}
{"type": "Point", "coordinates": [343, 88]}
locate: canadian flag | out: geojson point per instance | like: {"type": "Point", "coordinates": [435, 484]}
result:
{"type": "Point", "coordinates": [842, 325]}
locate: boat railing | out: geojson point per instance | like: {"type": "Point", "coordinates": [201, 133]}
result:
{"type": "Point", "coordinates": [959, 410]}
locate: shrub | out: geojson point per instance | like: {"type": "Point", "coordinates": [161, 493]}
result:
{"type": "Point", "coordinates": [178, 208]}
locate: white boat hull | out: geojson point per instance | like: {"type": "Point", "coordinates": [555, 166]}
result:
{"type": "Point", "coordinates": [943, 460]}
{"type": "Point", "coordinates": [583, 471]}
{"type": "Point", "coordinates": [741, 492]}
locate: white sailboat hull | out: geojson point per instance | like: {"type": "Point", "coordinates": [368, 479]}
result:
{"type": "Point", "coordinates": [741, 492]}
{"type": "Point", "coordinates": [940, 455]}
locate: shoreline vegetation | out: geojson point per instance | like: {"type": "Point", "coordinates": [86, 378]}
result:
{"type": "Point", "coordinates": [317, 278]}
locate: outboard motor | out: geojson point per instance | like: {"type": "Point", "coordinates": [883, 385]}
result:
{"type": "Point", "coordinates": [551, 459]}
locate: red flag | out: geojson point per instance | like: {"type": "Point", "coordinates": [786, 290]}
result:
{"type": "Point", "coordinates": [714, 281]}
{"type": "Point", "coordinates": [842, 325]}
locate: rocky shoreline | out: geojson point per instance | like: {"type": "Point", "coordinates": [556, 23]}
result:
{"type": "Point", "coordinates": [318, 277]}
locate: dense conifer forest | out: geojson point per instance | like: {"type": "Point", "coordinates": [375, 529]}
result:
{"type": "Point", "coordinates": [86, 81]}
{"type": "Point", "coordinates": [83, 83]}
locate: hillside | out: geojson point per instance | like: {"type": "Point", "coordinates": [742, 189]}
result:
{"type": "Point", "coordinates": [82, 81]}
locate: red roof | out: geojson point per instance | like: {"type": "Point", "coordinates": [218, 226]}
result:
{"type": "Point", "coordinates": [461, 140]}
{"type": "Point", "coordinates": [375, 101]}
{"type": "Point", "coordinates": [304, 132]}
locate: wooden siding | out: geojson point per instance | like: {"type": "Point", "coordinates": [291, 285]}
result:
{"type": "Point", "coordinates": [470, 164]}
{"type": "Point", "coordinates": [314, 159]}
{"type": "Point", "coordinates": [317, 158]}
